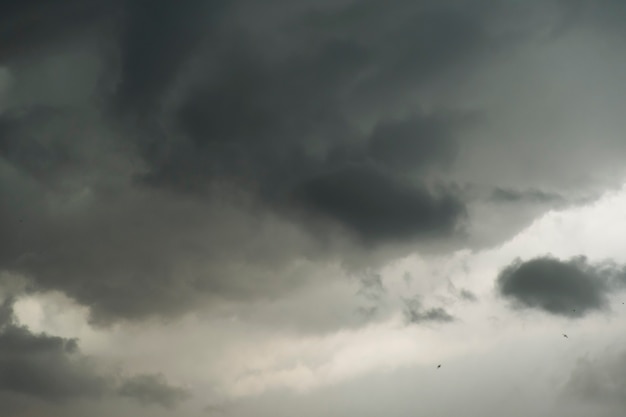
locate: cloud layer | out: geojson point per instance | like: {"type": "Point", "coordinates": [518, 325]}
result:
{"type": "Point", "coordinates": [267, 168]}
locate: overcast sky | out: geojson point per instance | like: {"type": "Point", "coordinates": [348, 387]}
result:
{"type": "Point", "coordinates": [273, 208]}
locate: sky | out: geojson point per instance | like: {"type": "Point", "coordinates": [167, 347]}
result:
{"type": "Point", "coordinates": [350, 208]}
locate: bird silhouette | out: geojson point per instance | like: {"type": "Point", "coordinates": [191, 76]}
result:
{"type": "Point", "coordinates": [438, 366]}
{"type": "Point", "coordinates": [565, 336]}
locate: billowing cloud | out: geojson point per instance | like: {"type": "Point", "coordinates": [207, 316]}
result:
{"type": "Point", "coordinates": [52, 369]}
{"type": "Point", "coordinates": [378, 208]}
{"type": "Point", "coordinates": [179, 154]}
{"type": "Point", "coordinates": [44, 366]}
{"type": "Point", "coordinates": [568, 288]}
{"type": "Point", "coordinates": [241, 160]}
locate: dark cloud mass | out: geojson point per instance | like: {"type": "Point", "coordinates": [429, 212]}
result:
{"type": "Point", "coordinates": [182, 153]}
{"type": "Point", "coordinates": [378, 207]}
{"type": "Point", "coordinates": [195, 106]}
{"type": "Point", "coordinates": [233, 160]}
{"type": "Point", "coordinates": [568, 288]}
{"type": "Point", "coordinates": [44, 366]}
{"type": "Point", "coordinates": [52, 369]}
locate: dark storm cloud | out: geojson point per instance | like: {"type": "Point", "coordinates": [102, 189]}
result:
{"type": "Point", "coordinates": [6, 311]}
{"type": "Point", "coordinates": [378, 207]}
{"type": "Point", "coordinates": [307, 114]}
{"type": "Point", "coordinates": [568, 288]}
{"type": "Point", "coordinates": [31, 141]}
{"type": "Point", "coordinates": [275, 117]}
{"type": "Point", "coordinates": [415, 313]}
{"type": "Point", "coordinates": [27, 26]}
{"type": "Point", "coordinates": [52, 368]}
{"type": "Point", "coordinates": [157, 39]}
{"type": "Point", "coordinates": [413, 143]}
{"type": "Point", "coordinates": [44, 366]}
{"type": "Point", "coordinates": [152, 389]}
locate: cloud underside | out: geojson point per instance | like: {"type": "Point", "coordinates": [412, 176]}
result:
{"type": "Point", "coordinates": [568, 288]}
{"type": "Point", "coordinates": [53, 370]}
{"type": "Point", "coordinates": [158, 157]}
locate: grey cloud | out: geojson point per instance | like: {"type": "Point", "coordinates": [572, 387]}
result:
{"type": "Point", "coordinates": [415, 313]}
{"type": "Point", "coordinates": [155, 44]}
{"type": "Point", "coordinates": [222, 123]}
{"type": "Point", "coordinates": [372, 286]}
{"type": "Point", "coordinates": [199, 102]}
{"type": "Point", "coordinates": [6, 311]}
{"type": "Point", "coordinates": [462, 293]}
{"type": "Point", "coordinates": [412, 143]}
{"type": "Point", "coordinates": [43, 366]}
{"type": "Point", "coordinates": [467, 295]}
{"type": "Point", "coordinates": [367, 312]}
{"type": "Point", "coordinates": [377, 207]}
{"type": "Point", "coordinates": [570, 288]}
{"type": "Point", "coordinates": [152, 389]}
{"type": "Point", "coordinates": [504, 195]}
{"type": "Point", "coordinates": [52, 369]}
{"type": "Point", "coordinates": [599, 381]}
{"type": "Point", "coordinates": [36, 142]}
{"type": "Point", "coordinates": [33, 25]}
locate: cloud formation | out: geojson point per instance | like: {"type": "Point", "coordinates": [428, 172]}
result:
{"type": "Point", "coordinates": [240, 160]}
{"type": "Point", "coordinates": [140, 176]}
{"type": "Point", "coordinates": [53, 369]}
{"type": "Point", "coordinates": [44, 366]}
{"type": "Point", "coordinates": [570, 288]}
{"type": "Point", "coordinates": [414, 313]}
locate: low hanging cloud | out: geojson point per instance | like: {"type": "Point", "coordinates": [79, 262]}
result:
{"type": "Point", "coordinates": [570, 288]}
{"type": "Point", "coordinates": [44, 366]}
{"type": "Point", "coordinates": [52, 369]}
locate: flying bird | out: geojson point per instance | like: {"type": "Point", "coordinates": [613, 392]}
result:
{"type": "Point", "coordinates": [438, 366]}
{"type": "Point", "coordinates": [565, 336]}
